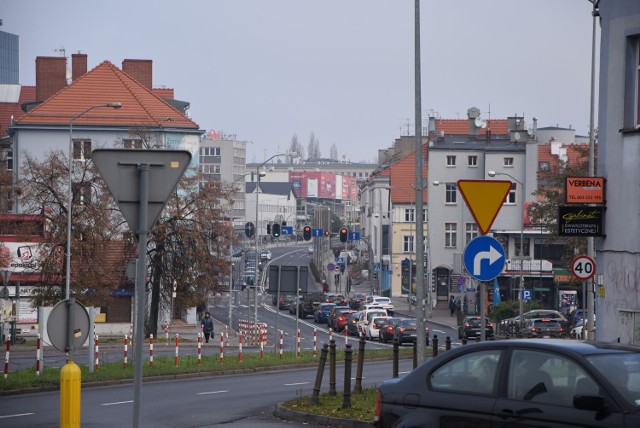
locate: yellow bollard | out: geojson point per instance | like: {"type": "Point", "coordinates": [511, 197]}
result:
{"type": "Point", "coordinates": [70, 378]}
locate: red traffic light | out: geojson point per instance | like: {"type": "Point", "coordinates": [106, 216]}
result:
{"type": "Point", "coordinates": [306, 233]}
{"type": "Point", "coordinates": [344, 234]}
{"type": "Point", "coordinates": [327, 233]}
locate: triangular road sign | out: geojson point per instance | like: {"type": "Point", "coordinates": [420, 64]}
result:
{"type": "Point", "coordinates": [484, 199]}
{"type": "Point", "coordinates": [119, 169]}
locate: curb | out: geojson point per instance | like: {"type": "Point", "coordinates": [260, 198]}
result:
{"type": "Point", "coordinates": [306, 418]}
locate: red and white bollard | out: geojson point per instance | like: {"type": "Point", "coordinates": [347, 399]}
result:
{"type": "Point", "coordinates": [281, 343]}
{"type": "Point", "coordinates": [151, 350]}
{"type": "Point", "coordinates": [346, 336]}
{"type": "Point", "coordinates": [199, 349]}
{"type": "Point", "coordinates": [177, 348]}
{"type": "Point", "coordinates": [240, 347]}
{"type": "Point", "coordinates": [298, 344]}
{"type": "Point", "coordinates": [166, 335]}
{"type": "Point", "coordinates": [6, 359]}
{"type": "Point", "coordinates": [222, 347]}
{"type": "Point", "coordinates": [226, 334]}
{"type": "Point", "coordinates": [38, 355]}
{"type": "Point", "coordinates": [330, 334]}
{"type": "Point", "coordinates": [97, 353]}
{"type": "Point", "coordinates": [261, 348]}
{"type": "Point", "coordinates": [315, 341]}
{"type": "Point", "coordinates": [126, 350]}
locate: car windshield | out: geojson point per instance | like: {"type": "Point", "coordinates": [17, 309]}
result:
{"type": "Point", "coordinates": [327, 307]}
{"type": "Point", "coordinates": [410, 324]}
{"type": "Point", "coordinates": [623, 371]}
{"type": "Point", "coordinates": [379, 322]}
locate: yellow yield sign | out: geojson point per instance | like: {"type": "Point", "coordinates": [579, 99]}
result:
{"type": "Point", "coordinates": [484, 199]}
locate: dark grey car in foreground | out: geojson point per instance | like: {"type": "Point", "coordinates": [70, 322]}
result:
{"type": "Point", "coordinates": [512, 383]}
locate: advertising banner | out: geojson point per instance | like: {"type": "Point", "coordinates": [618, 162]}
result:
{"type": "Point", "coordinates": [580, 220]}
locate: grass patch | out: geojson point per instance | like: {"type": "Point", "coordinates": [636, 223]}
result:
{"type": "Point", "coordinates": [362, 405]}
{"type": "Point", "coordinates": [165, 366]}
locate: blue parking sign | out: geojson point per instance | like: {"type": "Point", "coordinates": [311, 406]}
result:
{"type": "Point", "coordinates": [526, 295]}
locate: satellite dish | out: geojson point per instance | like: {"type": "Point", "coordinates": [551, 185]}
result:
{"type": "Point", "coordinates": [516, 136]}
{"type": "Point", "coordinates": [480, 123]}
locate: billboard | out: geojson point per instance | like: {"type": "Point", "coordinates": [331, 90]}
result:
{"type": "Point", "coordinates": [584, 190]}
{"type": "Point", "coordinates": [580, 220]}
{"type": "Point", "coordinates": [323, 185]}
{"type": "Point", "coordinates": [23, 257]}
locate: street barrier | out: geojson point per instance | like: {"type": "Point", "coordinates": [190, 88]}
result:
{"type": "Point", "coordinates": [97, 348]}
{"type": "Point", "coordinates": [346, 393]}
{"type": "Point", "coordinates": [38, 355]}
{"type": "Point", "coordinates": [126, 350]}
{"type": "Point", "coordinates": [6, 359]}
{"type": "Point", "coordinates": [151, 350]}
{"type": "Point", "coordinates": [177, 348]}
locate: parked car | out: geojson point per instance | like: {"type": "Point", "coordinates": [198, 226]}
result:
{"type": "Point", "coordinates": [321, 315]}
{"type": "Point", "coordinates": [575, 317]}
{"type": "Point", "coordinates": [310, 249]}
{"type": "Point", "coordinates": [385, 333]}
{"type": "Point", "coordinates": [405, 331]}
{"type": "Point", "coordinates": [523, 382]}
{"type": "Point", "coordinates": [542, 327]}
{"type": "Point", "coordinates": [335, 313]}
{"type": "Point", "coordinates": [352, 323]}
{"type": "Point", "coordinates": [512, 324]}
{"type": "Point", "coordinates": [373, 328]}
{"type": "Point", "coordinates": [472, 327]}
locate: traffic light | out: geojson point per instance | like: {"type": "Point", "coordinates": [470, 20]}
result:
{"type": "Point", "coordinates": [327, 233]}
{"type": "Point", "coordinates": [249, 229]}
{"type": "Point", "coordinates": [306, 233]}
{"type": "Point", "coordinates": [344, 234]}
{"type": "Point", "coordinates": [268, 228]}
{"type": "Point", "coordinates": [275, 230]}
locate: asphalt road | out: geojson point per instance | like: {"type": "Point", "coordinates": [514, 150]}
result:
{"type": "Point", "coordinates": [244, 400]}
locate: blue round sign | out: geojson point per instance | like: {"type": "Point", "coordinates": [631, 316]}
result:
{"type": "Point", "coordinates": [484, 258]}
{"type": "Point", "coordinates": [331, 267]}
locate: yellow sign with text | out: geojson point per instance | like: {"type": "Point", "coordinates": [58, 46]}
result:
{"type": "Point", "coordinates": [484, 199]}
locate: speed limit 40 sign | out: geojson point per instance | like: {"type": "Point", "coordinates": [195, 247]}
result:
{"type": "Point", "coordinates": [583, 267]}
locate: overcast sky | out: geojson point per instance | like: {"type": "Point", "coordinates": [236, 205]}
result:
{"type": "Point", "coordinates": [264, 70]}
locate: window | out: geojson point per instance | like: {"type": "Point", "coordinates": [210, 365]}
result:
{"type": "Point", "coordinates": [131, 143]}
{"type": "Point", "coordinates": [409, 214]}
{"type": "Point", "coordinates": [407, 243]}
{"type": "Point", "coordinates": [473, 160]}
{"type": "Point", "coordinates": [472, 373]}
{"type": "Point", "coordinates": [210, 151]}
{"type": "Point", "coordinates": [210, 169]}
{"type": "Point", "coordinates": [525, 247]}
{"type": "Point", "coordinates": [471, 232]}
{"type": "Point", "coordinates": [511, 197]}
{"type": "Point", "coordinates": [81, 149]}
{"type": "Point", "coordinates": [544, 166]}
{"type": "Point", "coordinates": [508, 162]}
{"type": "Point", "coordinates": [450, 235]}
{"type": "Point", "coordinates": [450, 193]}
{"type": "Point", "coordinates": [424, 215]}
{"type": "Point", "coordinates": [451, 160]}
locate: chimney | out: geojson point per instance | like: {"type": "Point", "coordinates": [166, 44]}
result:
{"type": "Point", "coordinates": [51, 76]}
{"type": "Point", "coordinates": [78, 65]}
{"type": "Point", "coordinates": [139, 69]}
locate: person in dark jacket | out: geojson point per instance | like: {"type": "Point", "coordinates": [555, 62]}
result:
{"type": "Point", "coordinates": [207, 326]}
{"type": "Point", "coordinates": [452, 305]}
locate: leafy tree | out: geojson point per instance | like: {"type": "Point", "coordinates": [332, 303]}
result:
{"type": "Point", "coordinates": [551, 194]}
{"type": "Point", "coordinates": [313, 147]}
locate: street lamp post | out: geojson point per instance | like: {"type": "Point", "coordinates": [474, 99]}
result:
{"type": "Point", "coordinates": [521, 288]}
{"type": "Point", "coordinates": [67, 282]}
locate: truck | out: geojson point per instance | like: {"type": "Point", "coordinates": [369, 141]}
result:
{"type": "Point", "coordinates": [309, 303]}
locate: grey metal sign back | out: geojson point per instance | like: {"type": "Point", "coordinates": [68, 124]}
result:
{"type": "Point", "coordinates": [119, 169]}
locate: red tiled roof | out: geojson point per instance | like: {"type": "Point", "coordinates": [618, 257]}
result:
{"type": "Point", "coordinates": [402, 175]}
{"type": "Point", "coordinates": [573, 155]}
{"type": "Point", "coordinates": [461, 126]}
{"type": "Point", "coordinates": [107, 84]}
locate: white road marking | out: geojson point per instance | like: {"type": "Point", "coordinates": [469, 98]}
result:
{"type": "Point", "coordinates": [211, 392]}
{"type": "Point", "coordinates": [117, 402]}
{"type": "Point", "coordinates": [17, 415]}
{"type": "Point", "coordinates": [297, 383]}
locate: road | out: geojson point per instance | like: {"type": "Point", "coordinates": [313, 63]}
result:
{"type": "Point", "coordinates": [243, 400]}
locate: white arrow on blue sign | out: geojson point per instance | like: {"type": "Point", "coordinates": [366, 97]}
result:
{"type": "Point", "coordinates": [484, 258]}
{"type": "Point", "coordinates": [317, 232]}
{"type": "Point", "coordinates": [287, 230]}
{"type": "Point", "coordinates": [354, 236]}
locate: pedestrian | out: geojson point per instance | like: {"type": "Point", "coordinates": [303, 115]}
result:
{"type": "Point", "coordinates": [325, 287]}
{"type": "Point", "coordinates": [207, 326]}
{"type": "Point", "coordinates": [452, 305]}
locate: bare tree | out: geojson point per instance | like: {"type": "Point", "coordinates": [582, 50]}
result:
{"type": "Point", "coordinates": [313, 147]}
{"type": "Point", "coordinates": [296, 147]}
{"type": "Point", "coordinates": [333, 153]}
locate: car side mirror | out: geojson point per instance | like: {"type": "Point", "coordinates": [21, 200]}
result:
{"type": "Point", "coordinates": [589, 402]}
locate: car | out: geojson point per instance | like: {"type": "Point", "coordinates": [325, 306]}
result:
{"type": "Point", "coordinates": [542, 327]}
{"type": "Point", "coordinates": [385, 333]}
{"type": "Point", "coordinates": [339, 299]}
{"type": "Point", "coordinates": [265, 254]}
{"type": "Point", "coordinates": [338, 317]}
{"type": "Point", "coordinates": [518, 382]}
{"type": "Point", "coordinates": [365, 318]}
{"type": "Point", "coordinates": [372, 330]}
{"type": "Point", "coordinates": [404, 330]}
{"type": "Point", "coordinates": [575, 317]}
{"type": "Point", "coordinates": [352, 323]}
{"type": "Point", "coordinates": [385, 302]}
{"type": "Point", "coordinates": [471, 327]}
{"type": "Point", "coordinates": [310, 249]}
{"type": "Point", "coordinates": [356, 300]}
{"type": "Point", "coordinates": [285, 300]}
{"type": "Point", "coordinates": [293, 303]}
{"type": "Point", "coordinates": [511, 325]}
{"type": "Point", "coordinates": [321, 315]}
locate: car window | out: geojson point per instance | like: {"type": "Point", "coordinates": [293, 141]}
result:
{"type": "Point", "coordinates": [472, 373]}
{"type": "Point", "coordinates": [541, 377]}
{"type": "Point", "coordinates": [623, 370]}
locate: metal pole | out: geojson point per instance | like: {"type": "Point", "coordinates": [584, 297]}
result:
{"type": "Point", "coordinates": [420, 286]}
{"type": "Point", "coordinates": [140, 290]}
{"type": "Point", "coordinates": [255, 279]}
{"type": "Point", "coordinates": [590, 241]}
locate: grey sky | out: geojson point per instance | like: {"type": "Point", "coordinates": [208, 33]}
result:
{"type": "Point", "coordinates": [342, 69]}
